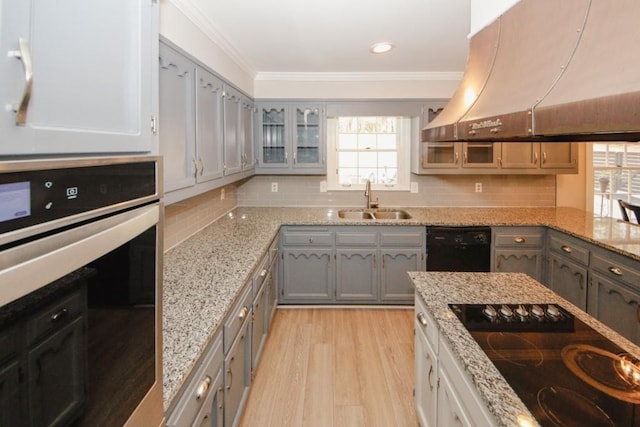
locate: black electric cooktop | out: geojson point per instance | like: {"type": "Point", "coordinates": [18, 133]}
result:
{"type": "Point", "coordinates": [564, 371]}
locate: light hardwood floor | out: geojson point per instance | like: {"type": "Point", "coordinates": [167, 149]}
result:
{"type": "Point", "coordinates": [335, 367]}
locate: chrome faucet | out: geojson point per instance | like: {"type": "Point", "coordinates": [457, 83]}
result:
{"type": "Point", "coordinates": [367, 194]}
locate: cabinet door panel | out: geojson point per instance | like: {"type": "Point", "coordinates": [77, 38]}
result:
{"type": "Point", "coordinates": [209, 141]}
{"type": "Point", "coordinates": [232, 145]}
{"type": "Point", "coordinates": [56, 383]}
{"type": "Point", "coordinates": [92, 86]}
{"type": "Point", "coordinates": [426, 372]}
{"type": "Point", "coordinates": [568, 280]}
{"type": "Point", "coordinates": [450, 410]}
{"type": "Point", "coordinates": [247, 134]}
{"type": "Point", "coordinates": [395, 284]}
{"type": "Point", "coordinates": [519, 155]}
{"type": "Point", "coordinates": [177, 134]}
{"type": "Point", "coordinates": [237, 366]}
{"type": "Point", "coordinates": [356, 274]}
{"type": "Point", "coordinates": [519, 261]}
{"type": "Point", "coordinates": [307, 138]}
{"type": "Point", "coordinates": [307, 274]}
{"type": "Point", "coordinates": [10, 389]}
{"type": "Point", "coordinates": [616, 306]}
{"type": "Point", "coordinates": [558, 155]}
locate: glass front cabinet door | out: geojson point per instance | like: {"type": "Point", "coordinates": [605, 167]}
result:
{"type": "Point", "coordinates": [291, 138]}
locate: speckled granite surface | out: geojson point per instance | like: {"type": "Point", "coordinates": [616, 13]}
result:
{"type": "Point", "coordinates": [440, 289]}
{"type": "Point", "coordinates": [203, 275]}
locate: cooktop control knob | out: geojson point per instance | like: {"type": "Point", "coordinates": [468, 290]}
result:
{"type": "Point", "coordinates": [506, 312]}
{"type": "Point", "coordinates": [490, 312]}
{"type": "Point", "coordinates": [553, 311]}
{"type": "Point", "coordinates": [537, 311]}
{"type": "Point", "coordinates": [522, 312]}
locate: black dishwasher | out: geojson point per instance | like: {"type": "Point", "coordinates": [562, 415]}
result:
{"type": "Point", "coordinates": [458, 248]}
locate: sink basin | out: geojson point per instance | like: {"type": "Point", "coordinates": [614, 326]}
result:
{"type": "Point", "coordinates": [391, 214]}
{"type": "Point", "coordinates": [377, 214]}
{"type": "Point", "coordinates": [355, 214]}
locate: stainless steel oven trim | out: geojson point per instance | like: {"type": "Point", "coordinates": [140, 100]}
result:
{"type": "Point", "coordinates": [26, 268]}
{"type": "Point", "coordinates": [33, 165]}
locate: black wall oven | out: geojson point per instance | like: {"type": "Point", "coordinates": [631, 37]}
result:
{"type": "Point", "coordinates": [80, 292]}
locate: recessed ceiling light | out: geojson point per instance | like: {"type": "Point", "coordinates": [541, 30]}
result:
{"type": "Point", "coordinates": [382, 47]}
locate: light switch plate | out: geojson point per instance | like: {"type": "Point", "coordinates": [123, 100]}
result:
{"type": "Point", "coordinates": [414, 187]}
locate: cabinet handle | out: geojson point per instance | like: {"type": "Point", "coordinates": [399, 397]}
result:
{"type": "Point", "coordinates": [430, 373]}
{"type": "Point", "coordinates": [375, 263]}
{"type": "Point", "coordinates": [422, 319]}
{"type": "Point", "coordinates": [519, 239]}
{"type": "Point", "coordinates": [581, 283]}
{"type": "Point", "coordinates": [24, 55]}
{"type": "Point", "coordinates": [466, 157]}
{"type": "Point", "coordinates": [615, 270]}
{"type": "Point", "coordinates": [263, 273]}
{"type": "Point", "coordinates": [544, 157]}
{"type": "Point", "coordinates": [243, 313]}
{"type": "Point", "coordinates": [230, 375]}
{"type": "Point", "coordinates": [59, 315]}
{"type": "Point", "coordinates": [201, 165]}
{"type": "Point", "coordinates": [535, 158]}
{"type": "Point", "coordinates": [220, 399]}
{"type": "Point", "coordinates": [457, 157]}
{"type": "Point", "coordinates": [295, 159]}
{"type": "Point", "coordinates": [203, 387]}
{"type": "Point", "coordinates": [286, 158]}
{"type": "Point", "coordinates": [566, 249]}
{"type": "Point", "coordinates": [195, 167]}
{"type": "Point", "coordinates": [310, 239]}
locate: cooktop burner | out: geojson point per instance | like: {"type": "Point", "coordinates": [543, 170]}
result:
{"type": "Point", "coordinates": [564, 371]}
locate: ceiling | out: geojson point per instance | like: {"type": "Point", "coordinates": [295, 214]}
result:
{"type": "Point", "coordinates": [334, 36]}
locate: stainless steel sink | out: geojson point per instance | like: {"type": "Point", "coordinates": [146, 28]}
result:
{"type": "Point", "coordinates": [396, 214]}
{"type": "Point", "coordinates": [355, 214]}
{"type": "Point", "coordinates": [391, 214]}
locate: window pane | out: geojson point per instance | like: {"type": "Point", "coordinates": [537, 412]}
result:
{"type": "Point", "coordinates": [347, 141]}
{"type": "Point", "coordinates": [347, 159]}
{"type": "Point", "coordinates": [367, 124]}
{"type": "Point", "coordinates": [388, 159]}
{"type": "Point", "coordinates": [388, 175]}
{"type": "Point", "coordinates": [367, 159]}
{"type": "Point", "coordinates": [387, 142]}
{"type": "Point", "coordinates": [348, 176]}
{"type": "Point", "coordinates": [368, 174]}
{"type": "Point", "coordinates": [348, 124]}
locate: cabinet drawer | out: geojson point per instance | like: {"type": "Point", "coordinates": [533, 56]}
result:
{"type": "Point", "coordinates": [54, 316]}
{"type": "Point", "coordinates": [569, 248]}
{"type": "Point", "coordinates": [200, 387]}
{"type": "Point", "coordinates": [612, 268]}
{"type": "Point", "coordinates": [357, 239]}
{"type": "Point", "coordinates": [273, 249]}
{"type": "Point", "coordinates": [9, 342]}
{"type": "Point", "coordinates": [237, 316]}
{"type": "Point", "coordinates": [310, 238]}
{"type": "Point", "coordinates": [425, 322]}
{"type": "Point", "coordinates": [400, 238]}
{"type": "Point", "coordinates": [518, 237]}
{"type": "Point", "coordinates": [260, 274]}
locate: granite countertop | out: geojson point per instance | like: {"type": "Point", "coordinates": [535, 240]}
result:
{"type": "Point", "coordinates": [204, 274]}
{"type": "Point", "coordinates": [440, 289]}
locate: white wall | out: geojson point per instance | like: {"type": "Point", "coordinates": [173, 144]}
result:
{"type": "Point", "coordinates": [181, 30]}
{"type": "Point", "coordinates": [484, 12]}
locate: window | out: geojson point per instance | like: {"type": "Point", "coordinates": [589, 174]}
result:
{"type": "Point", "coordinates": [616, 174]}
{"type": "Point", "coordinates": [375, 148]}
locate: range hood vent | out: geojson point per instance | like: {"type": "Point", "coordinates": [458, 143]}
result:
{"type": "Point", "coordinates": [561, 71]}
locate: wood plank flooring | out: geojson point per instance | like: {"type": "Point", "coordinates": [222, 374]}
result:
{"type": "Point", "coordinates": [335, 367]}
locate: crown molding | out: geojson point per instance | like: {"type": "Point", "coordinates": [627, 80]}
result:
{"type": "Point", "coordinates": [194, 14]}
{"type": "Point", "coordinates": [355, 76]}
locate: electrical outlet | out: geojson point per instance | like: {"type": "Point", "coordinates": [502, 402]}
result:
{"type": "Point", "coordinates": [222, 194]}
{"type": "Point", "coordinates": [478, 187]}
{"type": "Point", "coordinates": [274, 187]}
{"type": "Point", "coordinates": [323, 186]}
{"type": "Point", "coordinates": [414, 187]}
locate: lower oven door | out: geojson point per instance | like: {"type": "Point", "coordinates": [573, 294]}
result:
{"type": "Point", "coordinates": [81, 310]}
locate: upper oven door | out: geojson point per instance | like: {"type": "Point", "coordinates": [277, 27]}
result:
{"type": "Point", "coordinates": [32, 265]}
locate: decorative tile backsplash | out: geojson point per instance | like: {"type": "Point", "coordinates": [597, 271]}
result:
{"type": "Point", "coordinates": [433, 191]}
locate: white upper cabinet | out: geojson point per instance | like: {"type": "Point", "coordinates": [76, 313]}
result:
{"type": "Point", "coordinates": [77, 76]}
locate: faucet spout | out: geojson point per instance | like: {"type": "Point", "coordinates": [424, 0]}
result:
{"type": "Point", "coordinates": [368, 196]}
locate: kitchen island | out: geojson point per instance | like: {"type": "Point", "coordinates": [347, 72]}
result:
{"type": "Point", "coordinates": [204, 275]}
{"type": "Point", "coordinates": [436, 290]}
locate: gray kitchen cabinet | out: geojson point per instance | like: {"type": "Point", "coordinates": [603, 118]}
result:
{"type": "Point", "coordinates": [568, 260]}
{"type": "Point", "coordinates": [209, 135]}
{"type": "Point", "coordinates": [455, 157]}
{"type": "Point", "coordinates": [534, 157]}
{"type": "Point", "coordinates": [258, 326]}
{"type": "Point", "coordinates": [273, 279]}
{"type": "Point", "coordinates": [200, 402]}
{"type": "Point", "coordinates": [307, 270]}
{"type": "Point", "coordinates": [176, 124]}
{"type": "Point", "coordinates": [93, 77]}
{"type": "Point", "coordinates": [614, 292]}
{"type": "Point", "coordinates": [237, 378]}
{"type": "Point", "coordinates": [232, 128]}
{"type": "Point", "coordinates": [518, 250]}
{"type": "Point", "coordinates": [290, 138]}
{"type": "Point", "coordinates": [395, 286]}
{"type": "Point", "coordinates": [247, 134]}
{"type": "Point", "coordinates": [356, 274]}
{"type": "Point", "coordinates": [444, 395]}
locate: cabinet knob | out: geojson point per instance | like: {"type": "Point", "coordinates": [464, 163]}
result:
{"type": "Point", "coordinates": [422, 319]}
{"type": "Point", "coordinates": [519, 239]}
{"type": "Point", "coordinates": [243, 313]}
{"type": "Point", "coordinates": [310, 239]}
{"type": "Point", "coordinates": [263, 273]}
{"type": "Point", "coordinates": [615, 270]}
{"type": "Point", "coordinates": [203, 387]}
{"type": "Point", "coordinates": [59, 315]}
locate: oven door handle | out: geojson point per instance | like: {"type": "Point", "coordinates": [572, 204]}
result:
{"type": "Point", "coordinates": [28, 267]}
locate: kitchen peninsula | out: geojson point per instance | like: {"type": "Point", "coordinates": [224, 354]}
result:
{"type": "Point", "coordinates": [204, 276]}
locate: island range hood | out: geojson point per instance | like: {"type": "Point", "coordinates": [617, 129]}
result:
{"type": "Point", "coordinates": [549, 70]}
